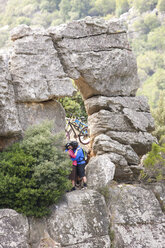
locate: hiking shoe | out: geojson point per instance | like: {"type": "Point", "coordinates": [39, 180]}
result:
{"type": "Point", "coordinates": [72, 189]}
{"type": "Point", "coordinates": [85, 185]}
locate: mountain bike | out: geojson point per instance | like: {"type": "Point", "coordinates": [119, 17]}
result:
{"type": "Point", "coordinates": [78, 129]}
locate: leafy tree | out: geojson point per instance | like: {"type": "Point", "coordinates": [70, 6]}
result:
{"type": "Point", "coordinates": [159, 116]}
{"type": "Point", "coordinates": [74, 106]}
{"type": "Point", "coordinates": [102, 7]}
{"type": "Point", "coordinates": [33, 173]}
{"type": "Point", "coordinates": [121, 7]}
{"type": "Point", "coordinates": [150, 61]}
{"type": "Point", "coordinates": [151, 87]}
{"type": "Point", "coordinates": [65, 8]}
{"type": "Point", "coordinates": [79, 9]}
{"type": "Point", "coordinates": [156, 39]}
{"type": "Point", "coordinates": [154, 164]}
{"type": "Point", "coordinates": [161, 5]}
{"type": "Point", "coordinates": [147, 23]}
{"type": "Point", "coordinates": [143, 5]}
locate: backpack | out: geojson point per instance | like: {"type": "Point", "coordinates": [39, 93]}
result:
{"type": "Point", "coordinates": [84, 153]}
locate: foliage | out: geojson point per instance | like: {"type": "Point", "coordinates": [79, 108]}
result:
{"type": "Point", "coordinates": [143, 5]}
{"type": "Point", "coordinates": [121, 7]}
{"type": "Point", "coordinates": [102, 7]}
{"type": "Point", "coordinates": [154, 164]}
{"type": "Point", "coordinates": [156, 39]}
{"type": "Point", "coordinates": [74, 106]}
{"type": "Point", "coordinates": [33, 173]}
{"type": "Point", "coordinates": [161, 5]}
{"type": "Point", "coordinates": [147, 23]}
{"type": "Point", "coordinates": [159, 116]}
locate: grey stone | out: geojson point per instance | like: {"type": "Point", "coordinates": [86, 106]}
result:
{"type": "Point", "coordinates": [104, 121]}
{"type": "Point", "coordinates": [104, 143]}
{"type": "Point", "coordinates": [80, 219]}
{"type": "Point", "coordinates": [36, 70]}
{"type": "Point", "coordinates": [116, 104]}
{"type": "Point", "coordinates": [137, 218]}
{"type": "Point", "coordinates": [9, 123]}
{"type": "Point", "coordinates": [141, 142]}
{"type": "Point", "coordinates": [100, 171]}
{"type": "Point", "coordinates": [14, 229]}
{"type": "Point", "coordinates": [87, 27]}
{"type": "Point", "coordinates": [96, 63]}
{"type": "Point", "coordinates": [140, 120]}
{"type": "Point", "coordinates": [36, 113]}
{"type": "Point", "coordinates": [99, 71]}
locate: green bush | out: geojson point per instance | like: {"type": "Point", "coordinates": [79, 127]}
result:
{"type": "Point", "coordinates": [121, 7]}
{"type": "Point", "coordinates": [34, 173]}
{"type": "Point", "coordinates": [154, 164]}
{"type": "Point", "coordinates": [161, 5]}
{"type": "Point", "coordinates": [147, 23]}
{"type": "Point", "coordinates": [143, 5]}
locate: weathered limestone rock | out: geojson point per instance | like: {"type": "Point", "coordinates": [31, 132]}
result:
{"type": "Point", "coordinates": [116, 104]}
{"type": "Point", "coordinates": [92, 52]}
{"type": "Point", "coordinates": [79, 220]}
{"type": "Point", "coordinates": [100, 171]}
{"type": "Point", "coordinates": [159, 190]}
{"type": "Point", "coordinates": [96, 54]}
{"type": "Point", "coordinates": [104, 144]}
{"type": "Point", "coordinates": [140, 141]}
{"type": "Point", "coordinates": [36, 69]}
{"type": "Point", "coordinates": [137, 218]}
{"type": "Point", "coordinates": [104, 121]}
{"type": "Point", "coordinates": [9, 123]}
{"type": "Point", "coordinates": [35, 113]}
{"type": "Point", "coordinates": [14, 229]}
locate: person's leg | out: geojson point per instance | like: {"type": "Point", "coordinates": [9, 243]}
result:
{"type": "Point", "coordinates": [73, 176]}
{"type": "Point", "coordinates": [81, 174]}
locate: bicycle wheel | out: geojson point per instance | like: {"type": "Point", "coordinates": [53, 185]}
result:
{"type": "Point", "coordinates": [84, 136]}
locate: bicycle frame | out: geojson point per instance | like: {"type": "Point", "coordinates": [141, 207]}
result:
{"type": "Point", "coordinates": [81, 127]}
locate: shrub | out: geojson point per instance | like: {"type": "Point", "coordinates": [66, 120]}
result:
{"type": "Point", "coordinates": [161, 5]}
{"type": "Point", "coordinates": [154, 164]}
{"type": "Point", "coordinates": [34, 173]}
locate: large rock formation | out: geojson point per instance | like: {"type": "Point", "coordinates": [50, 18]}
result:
{"type": "Point", "coordinates": [131, 217]}
{"type": "Point", "coordinates": [96, 54]}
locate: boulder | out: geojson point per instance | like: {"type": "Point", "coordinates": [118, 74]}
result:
{"type": "Point", "coordinates": [136, 216]}
{"type": "Point", "coordinates": [123, 172]}
{"type": "Point", "coordinates": [36, 69]}
{"type": "Point", "coordinates": [80, 220]}
{"type": "Point", "coordinates": [141, 121]}
{"type": "Point", "coordinates": [104, 144]}
{"type": "Point", "coordinates": [91, 52]}
{"type": "Point", "coordinates": [116, 104]}
{"type": "Point", "coordinates": [129, 121]}
{"type": "Point", "coordinates": [141, 142]}
{"type": "Point", "coordinates": [100, 171]}
{"type": "Point", "coordinates": [14, 229]}
{"type": "Point", "coordinates": [9, 123]}
{"type": "Point", "coordinates": [36, 113]}
{"type": "Point", "coordinates": [104, 121]}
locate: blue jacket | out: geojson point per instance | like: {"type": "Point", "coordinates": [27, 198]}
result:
{"type": "Point", "coordinates": [80, 155]}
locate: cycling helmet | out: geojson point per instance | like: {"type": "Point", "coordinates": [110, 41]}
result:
{"type": "Point", "coordinates": [74, 144]}
{"type": "Point", "coordinates": [67, 145]}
